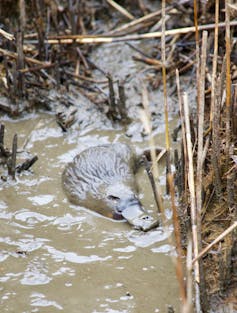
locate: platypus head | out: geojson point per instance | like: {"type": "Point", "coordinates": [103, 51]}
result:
{"type": "Point", "coordinates": [127, 206]}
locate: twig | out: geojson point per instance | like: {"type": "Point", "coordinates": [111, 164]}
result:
{"type": "Point", "coordinates": [185, 166]}
{"type": "Point", "coordinates": [112, 102]}
{"type": "Point", "coordinates": [84, 61]}
{"type": "Point", "coordinates": [7, 35]}
{"type": "Point", "coordinates": [121, 9]}
{"type": "Point", "coordinates": [2, 130]}
{"type": "Point", "coordinates": [219, 238]}
{"type": "Point", "coordinates": [152, 181]}
{"type": "Point", "coordinates": [11, 164]}
{"type": "Point", "coordinates": [191, 183]}
{"type": "Point", "coordinates": [37, 68]}
{"type": "Point", "coordinates": [4, 152]}
{"type": "Point", "coordinates": [149, 61]}
{"type": "Point", "coordinates": [20, 65]}
{"type": "Point", "coordinates": [122, 103]}
{"type": "Point", "coordinates": [26, 165]}
{"type": "Point", "coordinates": [146, 18]}
{"type": "Point", "coordinates": [145, 118]}
{"type": "Point", "coordinates": [14, 55]}
{"type": "Point", "coordinates": [87, 79]}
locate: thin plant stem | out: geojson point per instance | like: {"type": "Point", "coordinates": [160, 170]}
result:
{"type": "Point", "coordinates": [200, 133]}
{"type": "Point", "coordinates": [179, 268]}
{"type": "Point", "coordinates": [191, 184]}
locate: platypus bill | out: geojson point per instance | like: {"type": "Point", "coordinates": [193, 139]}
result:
{"type": "Point", "coordinates": [102, 179]}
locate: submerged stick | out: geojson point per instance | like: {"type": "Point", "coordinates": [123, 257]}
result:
{"type": "Point", "coordinates": [26, 165]}
{"type": "Point", "coordinates": [112, 102]}
{"type": "Point", "coordinates": [4, 152]}
{"type": "Point", "coordinates": [11, 164]}
{"type": "Point", "coordinates": [122, 103]}
{"type": "Point", "coordinates": [152, 182]}
{"type": "Point", "coordinates": [2, 130]}
{"type": "Point", "coordinates": [145, 118]}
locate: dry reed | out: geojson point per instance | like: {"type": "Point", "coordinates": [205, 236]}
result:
{"type": "Point", "coordinates": [93, 39]}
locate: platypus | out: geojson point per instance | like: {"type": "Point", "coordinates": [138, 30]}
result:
{"type": "Point", "coordinates": [102, 178]}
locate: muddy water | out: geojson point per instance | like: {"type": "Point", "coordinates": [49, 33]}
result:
{"type": "Point", "coordinates": [58, 257]}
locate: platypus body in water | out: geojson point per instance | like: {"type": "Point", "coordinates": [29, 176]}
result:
{"type": "Point", "coordinates": [102, 178]}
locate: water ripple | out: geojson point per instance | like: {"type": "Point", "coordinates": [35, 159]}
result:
{"type": "Point", "coordinates": [41, 199]}
{"type": "Point", "coordinates": [39, 300]}
{"type": "Point", "coordinates": [74, 257]}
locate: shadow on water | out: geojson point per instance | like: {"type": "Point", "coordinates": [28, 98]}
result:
{"type": "Point", "coordinates": [55, 256]}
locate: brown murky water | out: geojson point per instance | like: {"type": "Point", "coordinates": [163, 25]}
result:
{"type": "Point", "coordinates": [57, 257]}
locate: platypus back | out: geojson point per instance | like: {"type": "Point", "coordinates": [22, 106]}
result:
{"type": "Point", "coordinates": [102, 178]}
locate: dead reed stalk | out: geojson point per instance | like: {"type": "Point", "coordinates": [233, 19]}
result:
{"type": "Point", "coordinates": [146, 120]}
{"type": "Point", "coordinates": [195, 13]}
{"type": "Point", "coordinates": [200, 161]}
{"type": "Point", "coordinates": [188, 307]}
{"type": "Point", "coordinates": [170, 179]}
{"type": "Point", "coordinates": [191, 183]}
{"type": "Point", "coordinates": [11, 162]}
{"type": "Point", "coordinates": [215, 108]}
{"type": "Point", "coordinates": [228, 102]}
{"type": "Point", "coordinates": [214, 62]}
{"type": "Point", "coordinates": [200, 129]}
{"type": "Point", "coordinates": [184, 144]}
{"type": "Point", "coordinates": [93, 39]}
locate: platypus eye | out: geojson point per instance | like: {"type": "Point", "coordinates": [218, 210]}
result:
{"type": "Point", "coordinates": [113, 198]}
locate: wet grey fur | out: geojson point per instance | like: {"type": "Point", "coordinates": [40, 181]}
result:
{"type": "Point", "coordinates": [100, 176]}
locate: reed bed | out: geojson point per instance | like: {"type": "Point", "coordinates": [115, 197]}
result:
{"type": "Point", "coordinates": [208, 149]}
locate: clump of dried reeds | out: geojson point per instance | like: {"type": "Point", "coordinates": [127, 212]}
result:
{"type": "Point", "coordinates": [209, 165]}
{"type": "Point", "coordinates": [202, 155]}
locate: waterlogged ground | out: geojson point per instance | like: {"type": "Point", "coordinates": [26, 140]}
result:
{"type": "Point", "coordinates": [58, 257]}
